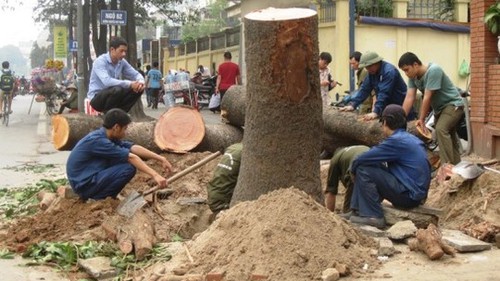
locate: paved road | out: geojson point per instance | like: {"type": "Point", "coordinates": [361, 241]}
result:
{"type": "Point", "coordinates": [27, 141]}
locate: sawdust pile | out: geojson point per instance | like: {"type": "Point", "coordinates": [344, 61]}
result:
{"type": "Point", "coordinates": [285, 235]}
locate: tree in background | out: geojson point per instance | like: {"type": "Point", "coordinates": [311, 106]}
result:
{"type": "Point", "coordinates": [38, 55]}
{"type": "Point", "coordinates": [213, 22]}
{"type": "Point", "coordinates": [13, 55]}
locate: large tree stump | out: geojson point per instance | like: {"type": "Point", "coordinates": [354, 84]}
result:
{"type": "Point", "coordinates": [180, 129]}
{"type": "Point", "coordinates": [283, 123]}
{"type": "Point", "coordinates": [234, 104]}
{"type": "Point", "coordinates": [430, 242]}
{"type": "Point", "coordinates": [218, 137]}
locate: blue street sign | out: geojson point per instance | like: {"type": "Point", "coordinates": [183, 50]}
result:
{"type": "Point", "coordinates": [73, 46]}
{"type": "Point", "coordinates": [113, 17]}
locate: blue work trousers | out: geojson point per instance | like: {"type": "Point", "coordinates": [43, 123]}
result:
{"type": "Point", "coordinates": [373, 184]}
{"type": "Point", "coordinates": [108, 182]}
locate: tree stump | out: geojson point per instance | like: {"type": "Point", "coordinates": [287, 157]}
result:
{"type": "Point", "coordinates": [234, 104]}
{"type": "Point", "coordinates": [219, 136]}
{"type": "Point", "coordinates": [430, 242]}
{"type": "Point", "coordinates": [283, 123]}
{"type": "Point", "coordinates": [180, 129]}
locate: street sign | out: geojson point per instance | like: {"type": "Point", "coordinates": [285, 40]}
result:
{"type": "Point", "coordinates": [73, 46]}
{"type": "Point", "coordinates": [113, 17]}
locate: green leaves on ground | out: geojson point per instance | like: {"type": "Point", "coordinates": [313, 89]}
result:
{"type": "Point", "coordinates": [6, 254]}
{"type": "Point", "coordinates": [37, 169]}
{"type": "Point", "coordinates": [18, 202]}
{"type": "Point", "coordinates": [66, 254]}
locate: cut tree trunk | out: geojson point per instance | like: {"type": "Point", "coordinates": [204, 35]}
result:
{"type": "Point", "coordinates": [68, 129]}
{"type": "Point", "coordinates": [180, 129]}
{"type": "Point", "coordinates": [218, 137]}
{"type": "Point", "coordinates": [142, 233]}
{"type": "Point", "coordinates": [233, 105]}
{"type": "Point", "coordinates": [283, 123]}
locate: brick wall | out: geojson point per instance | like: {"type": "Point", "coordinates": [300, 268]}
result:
{"type": "Point", "coordinates": [485, 84]}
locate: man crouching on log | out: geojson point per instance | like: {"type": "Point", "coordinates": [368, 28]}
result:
{"type": "Point", "coordinates": [102, 163]}
{"type": "Point", "coordinates": [397, 170]}
{"type": "Point", "coordinates": [107, 90]}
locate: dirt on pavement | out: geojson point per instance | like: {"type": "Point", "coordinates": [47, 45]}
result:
{"type": "Point", "coordinates": [284, 234]}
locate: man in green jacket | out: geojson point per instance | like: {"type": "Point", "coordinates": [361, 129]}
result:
{"type": "Point", "coordinates": [221, 186]}
{"type": "Point", "coordinates": [340, 166]}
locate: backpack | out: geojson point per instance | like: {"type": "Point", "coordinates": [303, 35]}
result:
{"type": "Point", "coordinates": [7, 81]}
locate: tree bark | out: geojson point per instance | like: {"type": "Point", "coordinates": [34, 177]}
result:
{"type": "Point", "coordinates": [283, 124]}
{"type": "Point", "coordinates": [233, 105]}
{"type": "Point", "coordinates": [218, 137]}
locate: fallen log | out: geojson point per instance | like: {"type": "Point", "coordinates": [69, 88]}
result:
{"type": "Point", "coordinates": [233, 105]}
{"type": "Point", "coordinates": [178, 130]}
{"type": "Point", "coordinates": [340, 128]}
{"type": "Point", "coordinates": [218, 137]}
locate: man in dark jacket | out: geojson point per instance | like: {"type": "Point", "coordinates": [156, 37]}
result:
{"type": "Point", "coordinates": [397, 170]}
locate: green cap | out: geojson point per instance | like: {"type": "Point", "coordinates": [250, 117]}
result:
{"type": "Point", "coordinates": [369, 58]}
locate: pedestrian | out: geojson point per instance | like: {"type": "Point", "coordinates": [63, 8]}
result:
{"type": "Point", "coordinates": [440, 95]}
{"type": "Point", "coordinates": [325, 77]}
{"type": "Point", "coordinates": [221, 186]}
{"type": "Point", "coordinates": [154, 84]}
{"type": "Point", "coordinates": [72, 101]}
{"type": "Point", "coordinates": [396, 170]}
{"type": "Point", "coordinates": [102, 163]}
{"type": "Point", "coordinates": [228, 75]}
{"type": "Point", "coordinates": [7, 84]}
{"type": "Point", "coordinates": [114, 83]}
{"type": "Point", "coordinates": [340, 170]}
{"type": "Point", "coordinates": [383, 78]}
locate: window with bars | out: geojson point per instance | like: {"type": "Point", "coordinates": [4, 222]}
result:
{"type": "Point", "coordinates": [374, 8]}
{"type": "Point", "coordinates": [327, 11]}
{"type": "Point", "coordinates": [442, 10]}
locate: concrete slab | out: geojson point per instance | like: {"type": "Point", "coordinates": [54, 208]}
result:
{"type": "Point", "coordinates": [464, 243]}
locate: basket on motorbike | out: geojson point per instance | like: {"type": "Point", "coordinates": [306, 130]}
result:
{"type": "Point", "coordinates": [44, 86]}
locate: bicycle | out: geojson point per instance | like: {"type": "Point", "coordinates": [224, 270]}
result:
{"type": "Point", "coordinates": [6, 111]}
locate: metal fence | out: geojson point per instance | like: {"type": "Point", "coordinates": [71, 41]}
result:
{"type": "Point", "coordinates": [431, 9]}
{"type": "Point", "coordinates": [327, 11]}
{"type": "Point", "coordinates": [374, 8]}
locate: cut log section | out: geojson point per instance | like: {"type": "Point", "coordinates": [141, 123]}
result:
{"type": "Point", "coordinates": [179, 130]}
{"type": "Point", "coordinates": [234, 104]}
{"type": "Point", "coordinates": [219, 136]}
{"type": "Point", "coordinates": [68, 129]}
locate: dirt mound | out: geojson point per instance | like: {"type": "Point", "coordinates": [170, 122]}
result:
{"type": "Point", "coordinates": [472, 206]}
{"type": "Point", "coordinates": [285, 235]}
{"type": "Point", "coordinates": [75, 220]}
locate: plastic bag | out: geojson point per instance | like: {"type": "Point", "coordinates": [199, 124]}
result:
{"type": "Point", "coordinates": [464, 69]}
{"type": "Point", "coordinates": [214, 103]}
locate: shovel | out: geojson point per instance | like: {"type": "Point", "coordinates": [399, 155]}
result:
{"type": "Point", "coordinates": [470, 170]}
{"type": "Point", "coordinates": [135, 200]}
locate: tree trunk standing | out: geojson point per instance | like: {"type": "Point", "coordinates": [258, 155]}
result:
{"type": "Point", "coordinates": [283, 123]}
{"type": "Point", "coordinates": [233, 105]}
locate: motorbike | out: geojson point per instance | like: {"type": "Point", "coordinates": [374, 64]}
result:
{"type": "Point", "coordinates": [54, 100]}
{"type": "Point", "coordinates": [205, 90]}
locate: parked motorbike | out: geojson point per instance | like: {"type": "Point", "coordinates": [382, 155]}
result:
{"type": "Point", "coordinates": [205, 90]}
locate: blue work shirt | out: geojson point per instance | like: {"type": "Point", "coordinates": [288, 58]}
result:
{"type": "Point", "coordinates": [389, 86]}
{"type": "Point", "coordinates": [406, 159]}
{"type": "Point", "coordinates": [92, 154]}
{"type": "Point", "coordinates": [105, 74]}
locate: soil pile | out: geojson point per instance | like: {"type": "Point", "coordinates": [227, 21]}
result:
{"type": "Point", "coordinates": [472, 206]}
{"type": "Point", "coordinates": [75, 220]}
{"type": "Point", "coordinates": [285, 235]}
